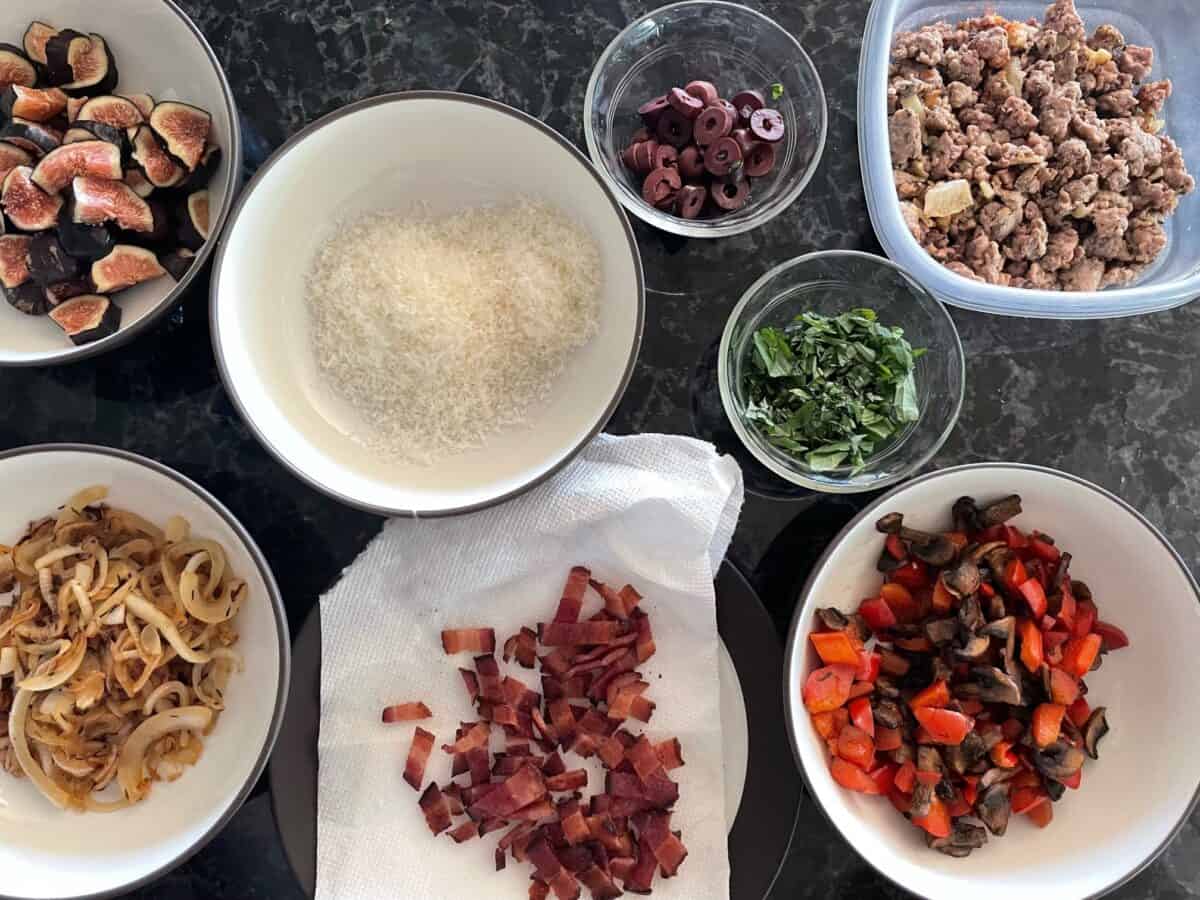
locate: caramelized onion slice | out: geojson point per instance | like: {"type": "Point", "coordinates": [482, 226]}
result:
{"type": "Point", "coordinates": [130, 762]}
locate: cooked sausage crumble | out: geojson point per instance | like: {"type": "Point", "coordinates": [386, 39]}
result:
{"type": "Point", "coordinates": [1032, 155]}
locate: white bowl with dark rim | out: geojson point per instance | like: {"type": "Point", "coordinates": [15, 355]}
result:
{"type": "Point", "coordinates": [1140, 792]}
{"type": "Point", "coordinates": [393, 152]}
{"type": "Point", "coordinates": [46, 852]}
{"type": "Point", "coordinates": [158, 51]}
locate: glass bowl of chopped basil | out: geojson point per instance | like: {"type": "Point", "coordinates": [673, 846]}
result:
{"type": "Point", "coordinates": [840, 373]}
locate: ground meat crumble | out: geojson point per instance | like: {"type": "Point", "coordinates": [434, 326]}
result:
{"type": "Point", "coordinates": [1058, 137]}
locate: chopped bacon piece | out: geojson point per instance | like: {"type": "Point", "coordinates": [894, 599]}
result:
{"type": "Point", "coordinates": [508, 765]}
{"type": "Point", "coordinates": [522, 646]}
{"type": "Point", "coordinates": [576, 688]}
{"type": "Point", "coordinates": [657, 790]}
{"type": "Point", "coordinates": [516, 745]}
{"type": "Point", "coordinates": [464, 832]}
{"type": "Point", "coordinates": [553, 765]}
{"type": "Point", "coordinates": [574, 859]}
{"type": "Point", "coordinates": [585, 744]}
{"type": "Point", "coordinates": [511, 836]}
{"type": "Point", "coordinates": [557, 661]}
{"type": "Point", "coordinates": [598, 882]}
{"type": "Point", "coordinates": [538, 811]}
{"type": "Point", "coordinates": [642, 708]}
{"type": "Point", "coordinates": [642, 876]}
{"type": "Point", "coordinates": [669, 753]}
{"type": "Point", "coordinates": [538, 890]}
{"type": "Point", "coordinates": [476, 735]}
{"type": "Point", "coordinates": [614, 686]}
{"type": "Point", "coordinates": [418, 756]}
{"type": "Point", "coordinates": [599, 689]}
{"type": "Point", "coordinates": [486, 826]}
{"type": "Point", "coordinates": [622, 867]}
{"type": "Point", "coordinates": [621, 706]}
{"type": "Point", "coordinates": [563, 719]}
{"type": "Point", "coordinates": [406, 712]}
{"type": "Point", "coordinates": [574, 825]}
{"type": "Point", "coordinates": [645, 637]}
{"type": "Point", "coordinates": [571, 603]}
{"type": "Point", "coordinates": [453, 794]}
{"type": "Point", "coordinates": [478, 765]}
{"type": "Point", "coordinates": [570, 780]}
{"type": "Point", "coordinates": [471, 795]}
{"type": "Point", "coordinates": [503, 714]}
{"type": "Point", "coordinates": [594, 661]}
{"type": "Point", "coordinates": [561, 881]}
{"type": "Point", "coordinates": [611, 752]}
{"type": "Point", "coordinates": [517, 693]}
{"type": "Point", "coordinates": [472, 683]}
{"type": "Point", "coordinates": [631, 598]}
{"type": "Point", "coordinates": [614, 603]}
{"type": "Point", "coordinates": [521, 789]}
{"type": "Point", "coordinates": [501, 860]}
{"type": "Point", "coordinates": [655, 829]}
{"type": "Point", "coordinates": [595, 724]}
{"type": "Point", "coordinates": [542, 727]}
{"type": "Point", "coordinates": [629, 806]}
{"type": "Point", "coordinates": [642, 757]}
{"type": "Point", "coordinates": [437, 813]}
{"type": "Point", "coordinates": [468, 640]}
{"type": "Point", "coordinates": [605, 832]}
{"type": "Point", "coordinates": [489, 678]}
{"type": "Point", "coordinates": [572, 634]}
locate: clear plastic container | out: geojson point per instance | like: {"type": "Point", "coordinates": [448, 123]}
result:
{"type": "Point", "coordinates": [1171, 27]}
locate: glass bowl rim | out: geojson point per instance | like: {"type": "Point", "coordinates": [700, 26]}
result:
{"type": "Point", "coordinates": [715, 228]}
{"type": "Point", "coordinates": [795, 475]}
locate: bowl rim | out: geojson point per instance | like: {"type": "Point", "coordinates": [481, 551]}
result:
{"type": "Point", "coordinates": [675, 224]}
{"type": "Point", "coordinates": [281, 630]}
{"type": "Point", "coordinates": [400, 97]}
{"type": "Point", "coordinates": [791, 475]}
{"type": "Point", "coordinates": [805, 595]}
{"type": "Point", "coordinates": [233, 177]}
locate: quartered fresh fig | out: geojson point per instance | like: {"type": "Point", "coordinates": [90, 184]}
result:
{"type": "Point", "coordinates": [32, 104]}
{"type": "Point", "coordinates": [193, 221]}
{"type": "Point", "coordinates": [183, 130]}
{"type": "Point", "coordinates": [74, 105]}
{"type": "Point", "coordinates": [160, 235]}
{"type": "Point", "coordinates": [85, 242]}
{"type": "Point", "coordinates": [15, 67]}
{"type": "Point", "coordinates": [49, 262]}
{"type": "Point", "coordinates": [88, 318]}
{"type": "Point", "coordinates": [34, 42]}
{"type": "Point", "coordinates": [209, 163]}
{"type": "Point", "coordinates": [160, 169]}
{"type": "Point", "coordinates": [138, 183]}
{"type": "Point", "coordinates": [29, 299]}
{"type": "Point", "coordinates": [33, 137]}
{"type": "Point", "coordinates": [27, 206]}
{"type": "Point", "coordinates": [100, 200]}
{"type": "Point", "coordinates": [14, 260]}
{"type": "Point", "coordinates": [58, 50]}
{"type": "Point", "coordinates": [93, 68]}
{"type": "Point", "coordinates": [111, 110]}
{"type": "Point", "coordinates": [124, 267]}
{"type": "Point", "coordinates": [64, 290]}
{"type": "Point", "coordinates": [96, 159]}
{"type": "Point", "coordinates": [12, 156]}
{"type": "Point", "coordinates": [96, 131]}
{"type": "Point", "coordinates": [177, 262]}
{"type": "Point", "coordinates": [144, 103]}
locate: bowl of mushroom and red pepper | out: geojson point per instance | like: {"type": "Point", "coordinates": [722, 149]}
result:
{"type": "Point", "coordinates": [1023, 650]}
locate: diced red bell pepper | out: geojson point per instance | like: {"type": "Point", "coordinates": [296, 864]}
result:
{"type": "Point", "coordinates": [852, 777]}
{"type": "Point", "coordinates": [992, 533]}
{"type": "Point", "coordinates": [1047, 723]}
{"type": "Point", "coordinates": [823, 723]}
{"type": "Point", "coordinates": [1048, 622]}
{"type": "Point", "coordinates": [1066, 612]}
{"type": "Point", "coordinates": [943, 600]}
{"type": "Point", "coordinates": [1043, 550]}
{"type": "Point", "coordinates": [1085, 618]}
{"type": "Point", "coordinates": [1079, 653]}
{"type": "Point", "coordinates": [1035, 596]}
{"type": "Point", "coordinates": [1003, 756]}
{"type": "Point", "coordinates": [1011, 729]}
{"type": "Point", "coordinates": [906, 777]}
{"type": "Point", "coordinates": [841, 718]}
{"type": "Point", "coordinates": [937, 822]}
{"type": "Point", "coordinates": [883, 776]}
{"type": "Point", "coordinates": [1064, 689]}
{"type": "Point", "coordinates": [1026, 779]}
{"type": "Point", "coordinates": [1024, 799]}
{"type": "Point", "coordinates": [861, 689]}
{"type": "Point", "coordinates": [835, 647]}
{"type": "Point", "coordinates": [895, 547]}
{"type": "Point", "coordinates": [877, 614]}
{"type": "Point", "coordinates": [970, 789]}
{"type": "Point", "coordinates": [1078, 712]}
{"type": "Point", "coordinates": [861, 715]}
{"type": "Point", "coordinates": [1074, 781]}
{"type": "Point", "coordinates": [930, 777]}
{"type": "Point", "coordinates": [1041, 815]}
{"type": "Point", "coordinates": [937, 694]}
{"type": "Point", "coordinates": [1015, 575]}
{"type": "Point", "coordinates": [1112, 637]}
{"type": "Point", "coordinates": [912, 574]}
{"type": "Point", "coordinates": [856, 746]}
{"type": "Point", "coordinates": [945, 725]}
{"type": "Point", "coordinates": [868, 666]}
{"type": "Point", "coordinates": [987, 590]}
{"type": "Point", "coordinates": [888, 738]}
{"type": "Point", "coordinates": [901, 601]}
{"type": "Point", "coordinates": [1031, 643]}
{"type": "Point", "coordinates": [1015, 537]}
{"type": "Point", "coordinates": [958, 806]}
{"type": "Point", "coordinates": [827, 688]}
{"type": "Point", "coordinates": [902, 802]}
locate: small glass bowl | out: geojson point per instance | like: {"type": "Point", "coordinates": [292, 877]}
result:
{"type": "Point", "coordinates": [736, 49]}
{"type": "Point", "coordinates": [831, 283]}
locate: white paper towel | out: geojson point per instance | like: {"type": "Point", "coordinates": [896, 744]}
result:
{"type": "Point", "coordinates": [654, 511]}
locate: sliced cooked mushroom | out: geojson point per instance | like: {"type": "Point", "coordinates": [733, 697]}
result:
{"type": "Point", "coordinates": [996, 686]}
{"type": "Point", "coordinates": [976, 648]}
{"type": "Point", "coordinates": [902, 754]}
{"type": "Point", "coordinates": [928, 759]}
{"type": "Point", "coordinates": [922, 797]}
{"type": "Point", "coordinates": [1000, 511]}
{"type": "Point", "coordinates": [996, 608]}
{"type": "Point", "coordinates": [997, 775]}
{"type": "Point", "coordinates": [1001, 628]}
{"type": "Point", "coordinates": [941, 631]}
{"type": "Point", "coordinates": [935, 549]}
{"type": "Point", "coordinates": [1060, 574]}
{"type": "Point", "coordinates": [954, 758]}
{"type": "Point", "coordinates": [887, 713]}
{"type": "Point", "coordinates": [832, 619]}
{"type": "Point", "coordinates": [962, 579]}
{"type": "Point", "coordinates": [973, 749]}
{"type": "Point", "coordinates": [993, 807]}
{"type": "Point", "coordinates": [964, 838]}
{"type": "Point", "coordinates": [978, 552]}
{"type": "Point", "coordinates": [1058, 761]}
{"type": "Point", "coordinates": [998, 558]}
{"type": "Point", "coordinates": [859, 628]}
{"type": "Point", "coordinates": [941, 670]}
{"type": "Point", "coordinates": [970, 615]}
{"type": "Point", "coordinates": [1055, 789]}
{"type": "Point", "coordinates": [966, 514]}
{"type": "Point", "coordinates": [1069, 729]}
{"type": "Point", "coordinates": [885, 687]}
{"type": "Point", "coordinates": [887, 562]}
{"type": "Point", "coordinates": [1094, 729]}
{"type": "Point", "coordinates": [893, 663]}
{"type": "Point", "coordinates": [1080, 590]}
{"type": "Point", "coordinates": [890, 523]}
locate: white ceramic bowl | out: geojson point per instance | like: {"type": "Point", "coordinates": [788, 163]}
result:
{"type": "Point", "coordinates": [1140, 792]}
{"type": "Point", "coordinates": [46, 852]}
{"type": "Point", "coordinates": [159, 51]}
{"type": "Point", "coordinates": [449, 152]}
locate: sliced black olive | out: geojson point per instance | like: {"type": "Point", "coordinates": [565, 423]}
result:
{"type": "Point", "coordinates": [124, 267]}
{"type": "Point", "coordinates": [184, 131]}
{"type": "Point", "coordinates": [177, 262]}
{"type": "Point", "coordinates": [996, 686]}
{"type": "Point", "coordinates": [15, 67]}
{"type": "Point", "coordinates": [27, 206]}
{"type": "Point", "coordinates": [93, 68]}
{"type": "Point", "coordinates": [33, 137]}
{"type": "Point", "coordinates": [28, 298]}
{"type": "Point", "coordinates": [1000, 511]}
{"type": "Point", "coordinates": [34, 41]}
{"type": "Point", "coordinates": [993, 806]}
{"type": "Point", "coordinates": [1058, 761]}
{"type": "Point", "coordinates": [88, 318]}
{"type": "Point", "coordinates": [1094, 729]}
{"type": "Point", "coordinates": [85, 242]}
{"type": "Point", "coordinates": [49, 262]}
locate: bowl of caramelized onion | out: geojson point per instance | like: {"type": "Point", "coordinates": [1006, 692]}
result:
{"type": "Point", "coordinates": [143, 669]}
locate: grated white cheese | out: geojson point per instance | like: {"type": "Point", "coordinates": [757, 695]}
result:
{"type": "Point", "coordinates": [441, 333]}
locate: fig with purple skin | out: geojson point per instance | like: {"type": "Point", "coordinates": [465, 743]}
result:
{"type": "Point", "coordinates": [767, 125]}
{"type": "Point", "coordinates": [721, 156]}
{"type": "Point", "coordinates": [760, 160]}
{"type": "Point", "coordinates": [690, 201]}
{"type": "Point", "coordinates": [715, 122]}
{"type": "Point", "coordinates": [730, 196]}
{"type": "Point", "coordinates": [684, 103]}
{"type": "Point", "coordinates": [705, 91]}
{"type": "Point", "coordinates": [674, 128]}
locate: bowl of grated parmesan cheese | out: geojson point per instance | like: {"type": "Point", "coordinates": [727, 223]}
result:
{"type": "Point", "coordinates": [438, 328]}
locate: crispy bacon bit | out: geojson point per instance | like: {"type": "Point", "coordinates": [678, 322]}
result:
{"type": "Point", "coordinates": [514, 834]}
{"type": "Point", "coordinates": [406, 712]}
{"type": "Point", "coordinates": [486, 826]}
{"type": "Point", "coordinates": [584, 744]}
{"type": "Point", "coordinates": [642, 875]}
{"type": "Point", "coordinates": [645, 637]}
{"type": "Point", "coordinates": [544, 728]}
{"type": "Point", "coordinates": [596, 724]}
{"type": "Point", "coordinates": [468, 640]}
{"type": "Point", "coordinates": [503, 714]}
{"type": "Point", "coordinates": [572, 634]}
{"type": "Point", "coordinates": [489, 679]}
{"type": "Point", "coordinates": [563, 718]}
{"type": "Point", "coordinates": [642, 757]}
{"type": "Point", "coordinates": [517, 693]}
{"type": "Point", "coordinates": [574, 825]}
{"type": "Point", "coordinates": [538, 811]}
{"type": "Point", "coordinates": [516, 745]}
{"type": "Point", "coordinates": [418, 756]}
{"type": "Point", "coordinates": [655, 830]}
{"type": "Point", "coordinates": [620, 681]}
{"type": "Point", "coordinates": [642, 708]}
{"type": "Point", "coordinates": [557, 661]}
{"type": "Point", "coordinates": [561, 881]}
{"type": "Point", "coordinates": [621, 705]}
{"type": "Point", "coordinates": [437, 813]}
{"type": "Point", "coordinates": [669, 753]}
{"type": "Point", "coordinates": [621, 868]}
{"type": "Point", "coordinates": [521, 789]}
{"type": "Point", "coordinates": [571, 780]}
{"type": "Point", "coordinates": [538, 890]}
{"type": "Point", "coordinates": [553, 765]}
{"type": "Point", "coordinates": [611, 752]}
{"type": "Point", "coordinates": [605, 832]}
{"type": "Point", "coordinates": [657, 790]}
{"type": "Point", "coordinates": [523, 647]}
{"type": "Point", "coordinates": [508, 765]}
{"type": "Point", "coordinates": [571, 604]}
{"type": "Point", "coordinates": [464, 831]}
{"type": "Point", "coordinates": [614, 604]}
{"type": "Point", "coordinates": [472, 683]}
{"type": "Point", "coordinates": [599, 689]}
{"type": "Point", "coordinates": [631, 598]}
{"type": "Point", "coordinates": [453, 794]}
{"type": "Point", "coordinates": [501, 860]}
{"type": "Point", "coordinates": [476, 735]}
{"type": "Point", "coordinates": [597, 881]}
{"type": "Point", "coordinates": [478, 765]}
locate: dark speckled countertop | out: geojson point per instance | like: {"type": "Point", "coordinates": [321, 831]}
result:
{"type": "Point", "coordinates": [1116, 402]}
